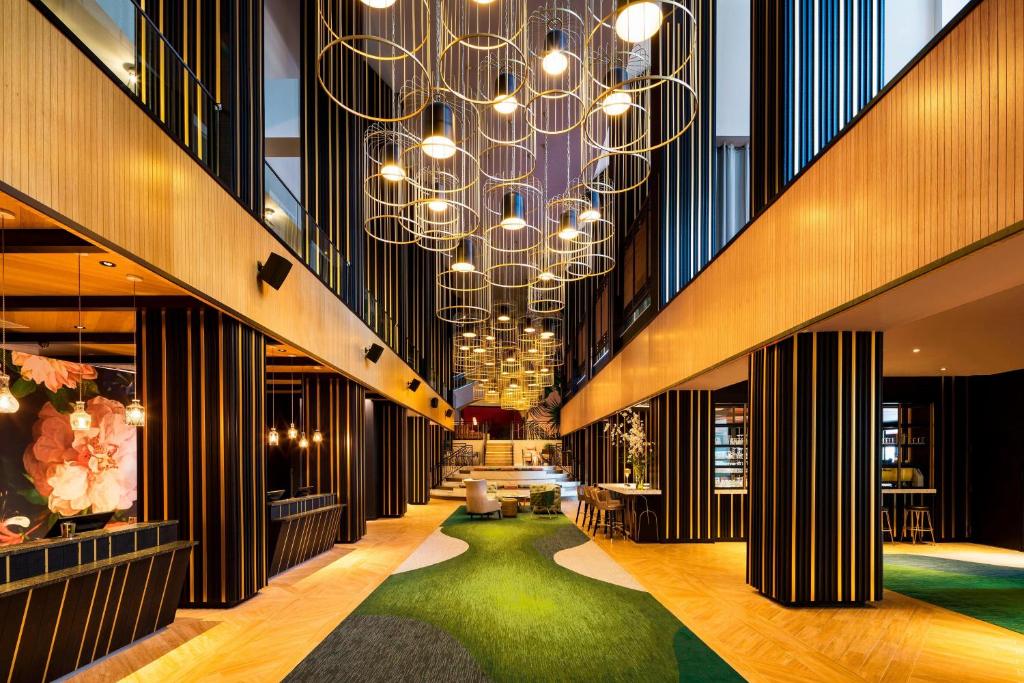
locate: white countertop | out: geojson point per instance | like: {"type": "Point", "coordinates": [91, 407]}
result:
{"type": "Point", "coordinates": [629, 490]}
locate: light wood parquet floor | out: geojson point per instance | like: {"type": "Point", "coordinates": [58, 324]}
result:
{"type": "Point", "coordinates": [896, 639]}
{"type": "Point", "coordinates": [264, 638]}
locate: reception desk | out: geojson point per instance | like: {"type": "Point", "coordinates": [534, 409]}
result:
{"type": "Point", "coordinates": [66, 602]}
{"type": "Point", "coordinates": [302, 528]}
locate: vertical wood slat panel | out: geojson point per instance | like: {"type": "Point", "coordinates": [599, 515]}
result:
{"type": "Point", "coordinates": [334, 404]}
{"type": "Point", "coordinates": [815, 484]}
{"type": "Point", "coordinates": [204, 368]}
{"type": "Point", "coordinates": [682, 429]}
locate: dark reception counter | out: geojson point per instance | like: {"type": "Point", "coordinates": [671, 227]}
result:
{"type": "Point", "coordinates": [302, 528]}
{"type": "Point", "coordinates": [66, 602]}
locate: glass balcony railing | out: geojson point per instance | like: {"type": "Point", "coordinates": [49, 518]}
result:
{"type": "Point", "coordinates": [122, 38]}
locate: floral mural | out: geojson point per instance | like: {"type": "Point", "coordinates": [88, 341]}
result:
{"type": "Point", "coordinates": [46, 469]}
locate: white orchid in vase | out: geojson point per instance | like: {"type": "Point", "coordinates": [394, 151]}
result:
{"type": "Point", "coordinates": [630, 432]}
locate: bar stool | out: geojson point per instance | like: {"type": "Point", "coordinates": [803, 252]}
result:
{"type": "Point", "coordinates": [887, 526]}
{"type": "Point", "coordinates": [920, 523]}
{"type": "Point", "coordinates": [582, 502]}
{"type": "Point", "coordinates": [612, 518]}
{"type": "Point", "coordinates": [591, 514]}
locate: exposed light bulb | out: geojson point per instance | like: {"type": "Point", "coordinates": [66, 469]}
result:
{"type": "Point", "coordinates": [506, 105]}
{"type": "Point", "coordinates": [638, 20]}
{"type": "Point", "coordinates": [134, 414]}
{"type": "Point", "coordinates": [555, 63]}
{"type": "Point", "coordinates": [378, 4]}
{"type": "Point", "coordinates": [437, 205]}
{"type": "Point", "coordinates": [392, 172]}
{"type": "Point", "coordinates": [293, 433]}
{"type": "Point", "coordinates": [81, 421]}
{"type": "Point", "coordinates": [273, 438]}
{"type": "Point", "coordinates": [439, 147]}
{"type": "Point", "coordinates": [616, 103]}
{"type": "Point", "coordinates": [318, 436]}
{"type": "Point", "coordinates": [8, 403]}
{"type": "Point", "coordinates": [303, 441]}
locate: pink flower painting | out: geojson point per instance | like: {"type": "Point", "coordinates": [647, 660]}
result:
{"type": "Point", "coordinates": [51, 373]}
{"type": "Point", "coordinates": [93, 470]}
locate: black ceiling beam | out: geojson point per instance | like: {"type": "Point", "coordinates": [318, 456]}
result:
{"type": "Point", "coordinates": [91, 303]}
{"type": "Point", "coordinates": [21, 337]}
{"type": "Point", "coordinates": [103, 359]}
{"type": "Point", "coordinates": [48, 241]}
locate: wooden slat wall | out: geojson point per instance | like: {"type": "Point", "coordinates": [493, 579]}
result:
{"type": "Point", "coordinates": [392, 463]}
{"type": "Point", "coordinates": [682, 429]}
{"type": "Point", "coordinates": [815, 66]}
{"type": "Point", "coordinates": [729, 512]}
{"type": "Point", "coordinates": [686, 181]}
{"type": "Point", "coordinates": [424, 444]}
{"type": "Point", "coordinates": [203, 461]}
{"type": "Point", "coordinates": [815, 478]}
{"type": "Point", "coordinates": [334, 404]}
{"type": "Point", "coordinates": [931, 170]}
{"type": "Point", "coordinates": [127, 185]}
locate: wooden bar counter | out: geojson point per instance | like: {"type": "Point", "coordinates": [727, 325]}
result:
{"type": "Point", "coordinates": [302, 528]}
{"type": "Point", "coordinates": [66, 602]}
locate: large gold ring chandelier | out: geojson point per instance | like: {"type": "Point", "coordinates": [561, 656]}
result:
{"type": "Point", "coordinates": [471, 101]}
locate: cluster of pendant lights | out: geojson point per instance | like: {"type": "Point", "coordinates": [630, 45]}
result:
{"type": "Point", "coordinates": [500, 139]}
{"type": "Point", "coordinates": [81, 420]}
{"type": "Point", "coordinates": [292, 433]}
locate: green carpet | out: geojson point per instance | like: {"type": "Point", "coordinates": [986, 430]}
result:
{"type": "Point", "coordinates": [505, 611]}
{"type": "Point", "coordinates": [987, 592]}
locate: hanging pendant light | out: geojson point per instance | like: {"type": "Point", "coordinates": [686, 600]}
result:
{"type": "Point", "coordinates": [391, 163]}
{"type": "Point", "coordinates": [81, 421]}
{"type": "Point", "coordinates": [378, 4]}
{"type": "Point", "coordinates": [303, 441]}
{"type": "Point", "coordinates": [292, 432]}
{"type": "Point", "coordinates": [273, 438]}
{"type": "Point", "coordinates": [618, 101]}
{"type": "Point", "coordinates": [567, 229]}
{"type": "Point", "coordinates": [318, 436]}
{"type": "Point", "coordinates": [555, 62]}
{"type": "Point", "coordinates": [134, 412]}
{"type": "Point", "coordinates": [638, 20]}
{"type": "Point", "coordinates": [462, 262]}
{"type": "Point", "coordinates": [593, 211]}
{"type": "Point", "coordinates": [437, 202]}
{"type": "Point", "coordinates": [505, 102]}
{"type": "Point", "coordinates": [8, 403]}
{"type": "Point", "coordinates": [513, 211]}
{"type": "Point", "coordinates": [439, 143]}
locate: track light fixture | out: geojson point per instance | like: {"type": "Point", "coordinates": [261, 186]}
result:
{"type": "Point", "coordinates": [373, 352]}
{"type": "Point", "coordinates": [414, 384]}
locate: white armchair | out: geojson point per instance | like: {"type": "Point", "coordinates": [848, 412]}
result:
{"type": "Point", "coordinates": [477, 501]}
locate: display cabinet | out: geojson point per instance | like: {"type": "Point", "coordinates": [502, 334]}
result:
{"type": "Point", "coordinates": [907, 445]}
{"type": "Point", "coordinates": [730, 446]}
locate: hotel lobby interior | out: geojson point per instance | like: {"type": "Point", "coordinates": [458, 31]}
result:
{"type": "Point", "coordinates": [512, 340]}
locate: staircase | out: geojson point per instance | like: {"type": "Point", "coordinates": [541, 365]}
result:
{"type": "Point", "coordinates": [499, 454]}
{"type": "Point", "coordinates": [509, 480]}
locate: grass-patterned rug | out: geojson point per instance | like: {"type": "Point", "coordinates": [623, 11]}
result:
{"type": "Point", "coordinates": [505, 611]}
{"type": "Point", "coordinates": [984, 591]}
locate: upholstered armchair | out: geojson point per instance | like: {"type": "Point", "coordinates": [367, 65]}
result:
{"type": "Point", "coordinates": [477, 500]}
{"type": "Point", "coordinates": [546, 498]}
